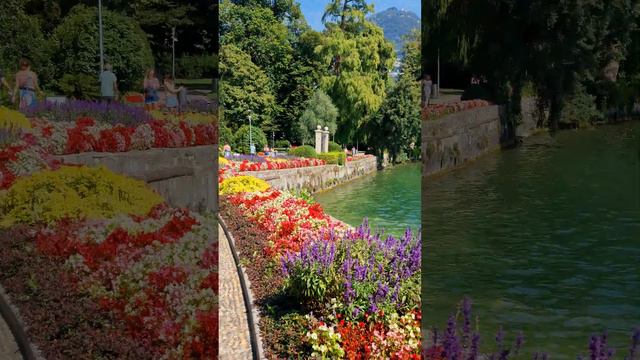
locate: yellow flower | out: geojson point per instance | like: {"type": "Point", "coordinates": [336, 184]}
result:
{"type": "Point", "coordinates": [222, 161]}
{"type": "Point", "coordinates": [13, 120]}
{"type": "Point", "coordinates": [239, 184]}
{"type": "Point", "coordinates": [74, 192]}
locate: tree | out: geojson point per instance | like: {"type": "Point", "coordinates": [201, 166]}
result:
{"type": "Point", "coordinates": [320, 111]}
{"type": "Point", "coordinates": [397, 125]}
{"type": "Point", "coordinates": [21, 36]}
{"type": "Point", "coordinates": [244, 90]}
{"type": "Point", "coordinates": [359, 59]}
{"type": "Point", "coordinates": [242, 141]}
{"type": "Point", "coordinates": [75, 47]}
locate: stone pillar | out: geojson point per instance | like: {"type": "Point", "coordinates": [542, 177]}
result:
{"type": "Point", "coordinates": [319, 139]}
{"type": "Point", "coordinates": [325, 140]}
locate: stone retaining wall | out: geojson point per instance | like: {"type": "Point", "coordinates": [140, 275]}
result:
{"type": "Point", "coordinates": [455, 139]}
{"type": "Point", "coordinates": [316, 178]}
{"type": "Point", "coordinates": [185, 177]}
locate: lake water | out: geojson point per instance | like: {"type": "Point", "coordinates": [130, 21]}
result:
{"type": "Point", "coordinates": [544, 238]}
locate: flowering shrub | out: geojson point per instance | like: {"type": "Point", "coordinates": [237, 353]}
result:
{"type": "Point", "coordinates": [107, 113]}
{"type": "Point", "coordinates": [438, 110]}
{"type": "Point", "coordinates": [290, 220]}
{"type": "Point", "coordinates": [188, 117]}
{"type": "Point", "coordinates": [157, 273]}
{"type": "Point", "coordinates": [19, 160]}
{"type": "Point", "coordinates": [240, 184]}
{"type": "Point", "coordinates": [75, 192]}
{"type": "Point", "coordinates": [325, 342]}
{"type": "Point", "coordinates": [367, 272]}
{"type": "Point", "coordinates": [13, 120]}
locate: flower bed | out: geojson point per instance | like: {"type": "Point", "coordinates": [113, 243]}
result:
{"type": "Point", "coordinates": [229, 168]}
{"type": "Point", "coordinates": [439, 110]}
{"type": "Point", "coordinates": [326, 290]}
{"type": "Point", "coordinates": [359, 157]}
{"type": "Point", "coordinates": [139, 277]}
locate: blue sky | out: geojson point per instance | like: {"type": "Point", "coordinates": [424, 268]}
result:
{"type": "Point", "coordinates": [313, 9]}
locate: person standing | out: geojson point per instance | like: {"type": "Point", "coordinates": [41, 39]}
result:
{"type": "Point", "coordinates": [108, 84]}
{"type": "Point", "coordinates": [427, 85]}
{"type": "Point", "coordinates": [227, 150]}
{"type": "Point", "coordinates": [171, 92]}
{"type": "Point", "coordinates": [151, 85]}
{"type": "Point", "coordinates": [26, 86]}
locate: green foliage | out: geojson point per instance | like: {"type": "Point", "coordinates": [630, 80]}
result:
{"type": "Point", "coordinates": [282, 144]}
{"type": "Point", "coordinates": [79, 86]}
{"type": "Point", "coordinates": [224, 135]}
{"type": "Point", "coordinates": [75, 48]}
{"type": "Point", "coordinates": [580, 109]}
{"type": "Point", "coordinates": [305, 151]}
{"type": "Point", "coordinates": [196, 66]}
{"type": "Point", "coordinates": [245, 89]}
{"type": "Point", "coordinates": [334, 146]}
{"type": "Point", "coordinates": [241, 139]}
{"type": "Point", "coordinates": [336, 157]}
{"type": "Point", "coordinates": [319, 111]}
{"type": "Point", "coordinates": [360, 62]}
{"type": "Point", "coordinates": [21, 36]}
{"type": "Point", "coordinates": [397, 126]}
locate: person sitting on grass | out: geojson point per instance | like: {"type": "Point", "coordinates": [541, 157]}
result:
{"type": "Point", "coordinates": [26, 86]}
{"type": "Point", "coordinates": [171, 92]}
{"type": "Point", "coordinates": [108, 84]}
{"type": "Point", "coordinates": [151, 86]}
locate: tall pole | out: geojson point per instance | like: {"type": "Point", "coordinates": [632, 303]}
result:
{"type": "Point", "coordinates": [439, 83]}
{"type": "Point", "coordinates": [173, 43]}
{"type": "Point", "coordinates": [250, 138]}
{"type": "Point", "coordinates": [100, 35]}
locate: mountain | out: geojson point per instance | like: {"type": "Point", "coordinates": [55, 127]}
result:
{"type": "Point", "coordinates": [396, 23]}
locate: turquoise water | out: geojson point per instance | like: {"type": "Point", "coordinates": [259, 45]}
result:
{"type": "Point", "coordinates": [390, 199]}
{"type": "Point", "coordinates": [544, 238]}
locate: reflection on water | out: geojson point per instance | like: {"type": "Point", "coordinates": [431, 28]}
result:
{"type": "Point", "coordinates": [544, 238]}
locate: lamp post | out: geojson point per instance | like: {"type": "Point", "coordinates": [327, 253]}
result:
{"type": "Point", "coordinates": [252, 149]}
{"type": "Point", "coordinates": [173, 45]}
{"type": "Point", "coordinates": [100, 35]}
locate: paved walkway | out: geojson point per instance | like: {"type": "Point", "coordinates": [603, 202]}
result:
{"type": "Point", "coordinates": [234, 337]}
{"type": "Point", "coordinates": [8, 347]}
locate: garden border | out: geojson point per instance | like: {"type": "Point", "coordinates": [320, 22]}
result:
{"type": "Point", "coordinates": [252, 315]}
{"type": "Point", "coordinates": [27, 350]}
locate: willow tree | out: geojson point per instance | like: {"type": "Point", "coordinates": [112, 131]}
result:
{"type": "Point", "coordinates": [358, 59]}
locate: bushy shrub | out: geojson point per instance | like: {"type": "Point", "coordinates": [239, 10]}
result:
{"type": "Point", "coordinates": [580, 109]}
{"type": "Point", "coordinates": [79, 86]}
{"type": "Point", "coordinates": [196, 66]}
{"type": "Point", "coordinates": [336, 157]}
{"type": "Point", "coordinates": [334, 146]}
{"type": "Point", "coordinates": [241, 139]}
{"type": "Point", "coordinates": [226, 137]}
{"type": "Point", "coordinates": [22, 36]}
{"type": "Point", "coordinates": [75, 49]}
{"type": "Point", "coordinates": [13, 120]}
{"type": "Point", "coordinates": [75, 192]}
{"type": "Point", "coordinates": [283, 144]}
{"type": "Point", "coordinates": [240, 184]}
{"type": "Point", "coordinates": [305, 151]}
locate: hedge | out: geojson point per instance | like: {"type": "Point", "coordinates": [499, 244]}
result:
{"type": "Point", "coordinates": [334, 157]}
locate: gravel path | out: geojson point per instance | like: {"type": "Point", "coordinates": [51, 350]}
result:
{"type": "Point", "coordinates": [234, 329]}
{"type": "Point", "coordinates": [8, 347]}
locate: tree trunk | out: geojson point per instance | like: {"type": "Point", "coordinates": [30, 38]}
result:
{"type": "Point", "coordinates": [555, 112]}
